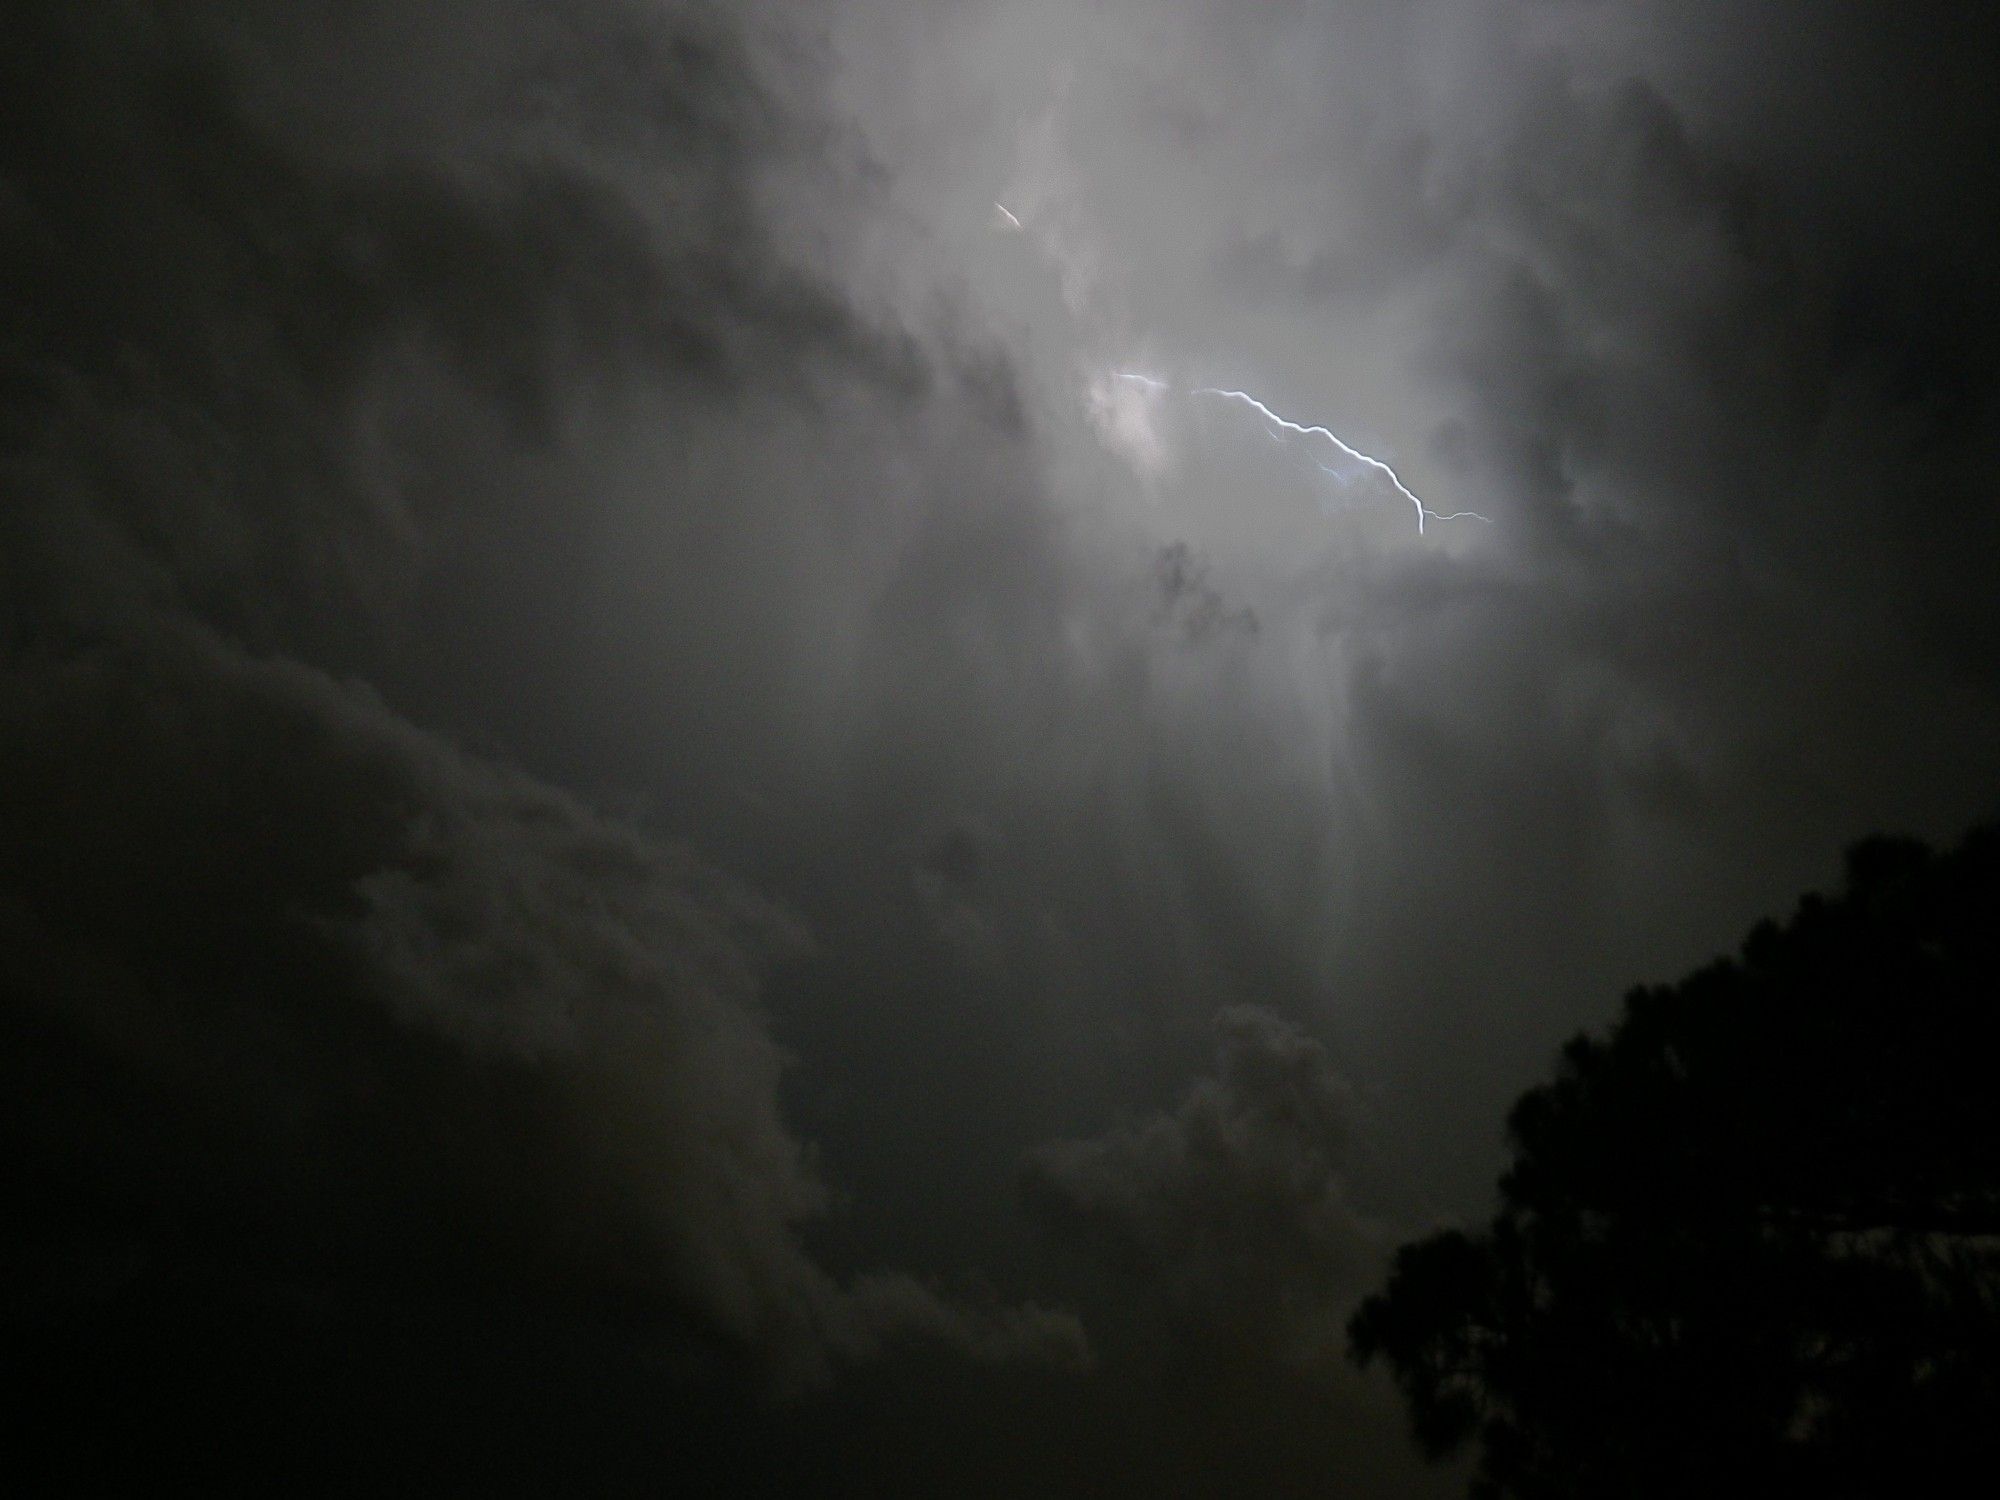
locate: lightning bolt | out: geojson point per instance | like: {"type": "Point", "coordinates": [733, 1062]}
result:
{"type": "Point", "coordinates": [1356, 454]}
{"type": "Point", "coordinates": [1303, 430]}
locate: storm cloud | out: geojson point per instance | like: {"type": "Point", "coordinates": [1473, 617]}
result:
{"type": "Point", "coordinates": [1234, 1206]}
{"type": "Point", "coordinates": [614, 714]}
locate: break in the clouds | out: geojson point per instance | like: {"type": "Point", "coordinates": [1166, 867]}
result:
{"type": "Point", "coordinates": [615, 721]}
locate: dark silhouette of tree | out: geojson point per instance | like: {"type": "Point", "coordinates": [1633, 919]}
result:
{"type": "Point", "coordinates": [1749, 1240]}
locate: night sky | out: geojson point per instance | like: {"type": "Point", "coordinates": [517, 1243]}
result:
{"type": "Point", "coordinates": [680, 799]}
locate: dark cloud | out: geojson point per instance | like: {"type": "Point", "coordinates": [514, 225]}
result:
{"type": "Point", "coordinates": [1192, 605]}
{"type": "Point", "coordinates": [411, 1009]}
{"type": "Point", "coordinates": [1231, 1223]}
{"type": "Point", "coordinates": [324, 1003]}
{"type": "Point", "coordinates": [1235, 1208]}
{"type": "Point", "coordinates": [239, 254]}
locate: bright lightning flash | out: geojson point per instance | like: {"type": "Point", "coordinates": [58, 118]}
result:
{"type": "Point", "coordinates": [1356, 454]}
{"type": "Point", "coordinates": [1286, 424]}
{"type": "Point", "coordinates": [1299, 429]}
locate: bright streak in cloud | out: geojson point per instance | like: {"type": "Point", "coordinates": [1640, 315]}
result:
{"type": "Point", "coordinates": [1356, 454]}
{"type": "Point", "coordinates": [1007, 215]}
{"type": "Point", "coordinates": [1286, 424]}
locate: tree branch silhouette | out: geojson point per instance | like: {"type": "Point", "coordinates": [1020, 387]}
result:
{"type": "Point", "coordinates": [1751, 1235]}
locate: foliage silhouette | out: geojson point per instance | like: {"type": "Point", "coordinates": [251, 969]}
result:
{"type": "Point", "coordinates": [1751, 1237]}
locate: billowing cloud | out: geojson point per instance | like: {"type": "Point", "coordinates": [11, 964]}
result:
{"type": "Point", "coordinates": [405, 1006]}
{"type": "Point", "coordinates": [412, 1007]}
{"type": "Point", "coordinates": [1234, 1209]}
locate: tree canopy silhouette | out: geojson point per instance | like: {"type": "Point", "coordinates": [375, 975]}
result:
{"type": "Point", "coordinates": [1751, 1236]}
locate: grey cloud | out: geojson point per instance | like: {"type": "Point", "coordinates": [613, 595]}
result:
{"type": "Point", "coordinates": [1191, 604]}
{"type": "Point", "coordinates": [238, 259]}
{"type": "Point", "coordinates": [1234, 1209]}
{"type": "Point", "coordinates": [414, 1005]}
